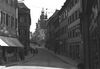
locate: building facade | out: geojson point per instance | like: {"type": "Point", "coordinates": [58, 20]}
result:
{"type": "Point", "coordinates": [94, 38]}
{"type": "Point", "coordinates": [67, 30]}
{"type": "Point", "coordinates": [24, 22]}
{"type": "Point", "coordinates": [41, 28]}
{"type": "Point", "coordinates": [8, 30]}
{"type": "Point", "coordinates": [51, 27]}
{"type": "Point", "coordinates": [8, 18]}
{"type": "Point", "coordinates": [74, 40]}
{"type": "Point", "coordinates": [77, 32]}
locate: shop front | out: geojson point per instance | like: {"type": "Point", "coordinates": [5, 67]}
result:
{"type": "Point", "coordinates": [9, 49]}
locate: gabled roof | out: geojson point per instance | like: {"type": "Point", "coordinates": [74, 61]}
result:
{"type": "Point", "coordinates": [22, 5]}
{"type": "Point", "coordinates": [54, 14]}
{"type": "Point", "coordinates": [23, 8]}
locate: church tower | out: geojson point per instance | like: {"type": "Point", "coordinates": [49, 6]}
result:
{"type": "Point", "coordinates": [42, 16]}
{"type": "Point", "coordinates": [43, 19]}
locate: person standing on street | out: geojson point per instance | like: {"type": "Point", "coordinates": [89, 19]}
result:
{"type": "Point", "coordinates": [21, 54]}
{"type": "Point", "coordinates": [36, 51]}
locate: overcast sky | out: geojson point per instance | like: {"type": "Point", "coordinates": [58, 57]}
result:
{"type": "Point", "coordinates": [36, 7]}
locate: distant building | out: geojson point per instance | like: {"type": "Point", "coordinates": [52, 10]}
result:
{"type": "Point", "coordinates": [52, 26]}
{"type": "Point", "coordinates": [43, 19]}
{"type": "Point", "coordinates": [41, 27]}
{"type": "Point", "coordinates": [24, 22]}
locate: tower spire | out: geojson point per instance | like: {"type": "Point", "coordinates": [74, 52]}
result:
{"type": "Point", "coordinates": [42, 16]}
{"type": "Point", "coordinates": [46, 14]}
{"type": "Point", "coordinates": [42, 11]}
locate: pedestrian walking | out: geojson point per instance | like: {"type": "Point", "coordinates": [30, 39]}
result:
{"type": "Point", "coordinates": [33, 51]}
{"type": "Point", "coordinates": [21, 54]}
{"type": "Point", "coordinates": [81, 66]}
{"type": "Point", "coordinates": [36, 51]}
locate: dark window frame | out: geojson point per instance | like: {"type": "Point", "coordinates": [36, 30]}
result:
{"type": "Point", "coordinates": [7, 19]}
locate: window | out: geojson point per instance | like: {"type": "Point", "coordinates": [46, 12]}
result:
{"type": "Point", "coordinates": [6, 1]}
{"type": "Point", "coordinates": [69, 34]}
{"type": "Point", "coordinates": [66, 13]}
{"type": "Point", "coordinates": [78, 13]}
{"type": "Point", "coordinates": [12, 21]}
{"type": "Point", "coordinates": [70, 18]}
{"type": "Point", "coordinates": [9, 19]}
{"type": "Point", "coordinates": [2, 18]}
{"type": "Point", "coordinates": [68, 8]}
{"type": "Point", "coordinates": [12, 2]}
{"type": "Point", "coordinates": [73, 33]}
{"type": "Point", "coordinates": [72, 2]}
{"type": "Point", "coordinates": [71, 5]}
{"type": "Point", "coordinates": [15, 23]}
{"type": "Point", "coordinates": [6, 19]}
{"type": "Point", "coordinates": [21, 19]}
{"type": "Point", "coordinates": [76, 1]}
{"type": "Point", "coordinates": [65, 29]}
{"type": "Point", "coordinates": [9, 2]}
{"type": "Point", "coordinates": [74, 16]}
{"type": "Point", "coordinates": [59, 18]}
{"type": "Point", "coordinates": [71, 51]}
{"type": "Point", "coordinates": [67, 21]}
{"type": "Point", "coordinates": [77, 51]}
{"type": "Point", "coordinates": [77, 31]}
{"type": "Point", "coordinates": [25, 32]}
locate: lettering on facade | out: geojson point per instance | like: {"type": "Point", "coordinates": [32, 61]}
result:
{"type": "Point", "coordinates": [93, 23]}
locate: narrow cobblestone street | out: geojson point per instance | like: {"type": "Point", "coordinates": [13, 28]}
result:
{"type": "Point", "coordinates": [47, 59]}
{"type": "Point", "coordinates": [44, 59]}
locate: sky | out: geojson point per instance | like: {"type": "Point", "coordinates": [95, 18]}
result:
{"type": "Point", "coordinates": [36, 6]}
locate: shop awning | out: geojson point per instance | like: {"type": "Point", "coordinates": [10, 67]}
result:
{"type": "Point", "coordinates": [2, 43]}
{"type": "Point", "coordinates": [9, 41]}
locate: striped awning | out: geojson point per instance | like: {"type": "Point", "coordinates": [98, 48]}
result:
{"type": "Point", "coordinates": [9, 41]}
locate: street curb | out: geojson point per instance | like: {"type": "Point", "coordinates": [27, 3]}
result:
{"type": "Point", "coordinates": [56, 56]}
{"type": "Point", "coordinates": [59, 57]}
